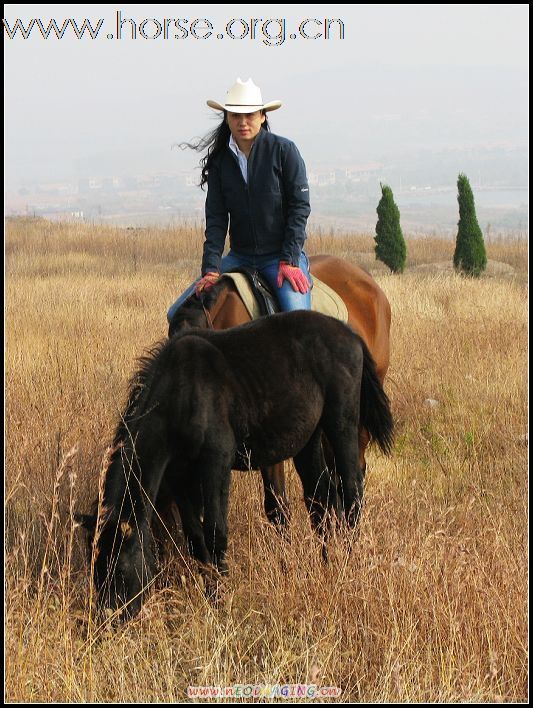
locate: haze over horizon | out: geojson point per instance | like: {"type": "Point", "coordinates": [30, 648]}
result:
{"type": "Point", "coordinates": [406, 85]}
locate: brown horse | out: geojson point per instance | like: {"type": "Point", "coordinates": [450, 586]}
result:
{"type": "Point", "coordinates": [369, 315]}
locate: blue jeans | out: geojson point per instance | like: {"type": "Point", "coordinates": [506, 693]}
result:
{"type": "Point", "coordinates": [268, 266]}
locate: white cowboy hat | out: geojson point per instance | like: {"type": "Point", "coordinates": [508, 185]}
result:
{"type": "Point", "coordinates": [244, 97]}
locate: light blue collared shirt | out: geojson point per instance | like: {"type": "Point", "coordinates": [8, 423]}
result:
{"type": "Point", "coordinates": [241, 157]}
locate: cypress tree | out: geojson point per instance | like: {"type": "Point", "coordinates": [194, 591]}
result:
{"type": "Point", "coordinates": [390, 245]}
{"type": "Point", "coordinates": [470, 256]}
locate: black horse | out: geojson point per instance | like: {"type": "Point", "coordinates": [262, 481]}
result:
{"type": "Point", "coordinates": [206, 402]}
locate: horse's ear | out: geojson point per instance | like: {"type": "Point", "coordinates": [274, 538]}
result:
{"type": "Point", "coordinates": [86, 521]}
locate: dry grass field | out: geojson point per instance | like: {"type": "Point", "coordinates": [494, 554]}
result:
{"type": "Point", "coordinates": [430, 605]}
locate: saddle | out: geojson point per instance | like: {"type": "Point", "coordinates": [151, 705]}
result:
{"type": "Point", "coordinates": [264, 297]}
{"type": "Point", "coordinates": [259, 299]}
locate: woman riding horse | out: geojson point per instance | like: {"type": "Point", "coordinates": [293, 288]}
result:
{"type": "Point", "coordinates": [257, 184]}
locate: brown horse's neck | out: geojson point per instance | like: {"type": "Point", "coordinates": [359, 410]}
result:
{"type": "Point", "coordinates": [228, 309]}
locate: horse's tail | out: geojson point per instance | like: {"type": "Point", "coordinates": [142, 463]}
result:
{"type": "Point", "coordinates": [375, 411]}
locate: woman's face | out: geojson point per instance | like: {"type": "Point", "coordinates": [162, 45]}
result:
{"type": "Point", "coordinates": [245, 126]}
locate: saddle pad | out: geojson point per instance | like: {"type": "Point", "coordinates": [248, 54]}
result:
{"type": "Point", "coordinates": [323, 298]}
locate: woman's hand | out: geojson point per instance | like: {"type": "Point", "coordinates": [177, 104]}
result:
{"type": "Point", "coordinates": [206, 282]}
{"type": "Point", "coordinates": [294, 275]}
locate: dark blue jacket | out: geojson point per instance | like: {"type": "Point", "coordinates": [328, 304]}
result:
{"type": "Point", "coordinates": [266, 216]}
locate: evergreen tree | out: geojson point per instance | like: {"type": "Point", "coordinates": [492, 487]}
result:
{"type": "Point", "coordinates": [390, 245]}
{"type": "Point", "coordinates": [470, 256]}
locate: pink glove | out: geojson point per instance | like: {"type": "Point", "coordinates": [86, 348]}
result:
{"type": "Point", "coordinates": [207, 281]}
{"type": "Point", "coordinates": [294, 275]}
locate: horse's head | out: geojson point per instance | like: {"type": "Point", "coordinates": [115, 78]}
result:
{"type": "Point", "coordinates": [123, 562]}
{"type": "Point", "coordinates": [194, 311]}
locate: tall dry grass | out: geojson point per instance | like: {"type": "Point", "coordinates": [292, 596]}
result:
{"type": "Point", "coordinates": [430, 605]}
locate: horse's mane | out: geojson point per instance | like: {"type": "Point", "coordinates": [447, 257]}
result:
{"type": "Point", "coordinates": [142, 379]}
{"type": "Point", "coordinates": [144, 376]}
{"type": "Point", "coordinates": [139, 382]}
{"type": "Point", "coordinates": [192, 312]}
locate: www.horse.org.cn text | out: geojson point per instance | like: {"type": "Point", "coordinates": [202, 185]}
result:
{"type": "Point", "coordinates": [273, 32]}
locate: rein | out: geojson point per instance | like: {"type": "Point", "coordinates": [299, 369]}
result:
{"type": "Point", "coordinates": [207, 317]}
{"type": "Point", "coordinates": [215, 307]}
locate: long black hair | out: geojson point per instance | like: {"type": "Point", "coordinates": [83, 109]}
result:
{"type": "Point", "coordinates": [215, 141]}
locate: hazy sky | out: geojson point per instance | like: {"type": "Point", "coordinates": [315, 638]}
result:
{"type": "Point", "coordinates": [404, 77]}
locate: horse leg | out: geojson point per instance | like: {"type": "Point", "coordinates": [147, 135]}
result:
{"type": "Point", "coordinates": [329, 457]}
{"type": "Point", "coordinates": [216, 479]}
{"type": "Point", "coordinates": [331, 463]}
{"type": "Point", "coordinates": [345, 446]}
{"type": "Point", "coordinates": [276, 501]}
{"type": "Point", "coordinates": [166, 522]}
{"type": "Point", "coordinates": [340, 421]}
{"type": "Point", "coordinates": [364, 439]}
{"type": "Point", "coordinates": [190, 504]}
{"type": "Point", "coordinates": [219, 555]}
{"type": "Point", "coordinates": [319, 493]}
